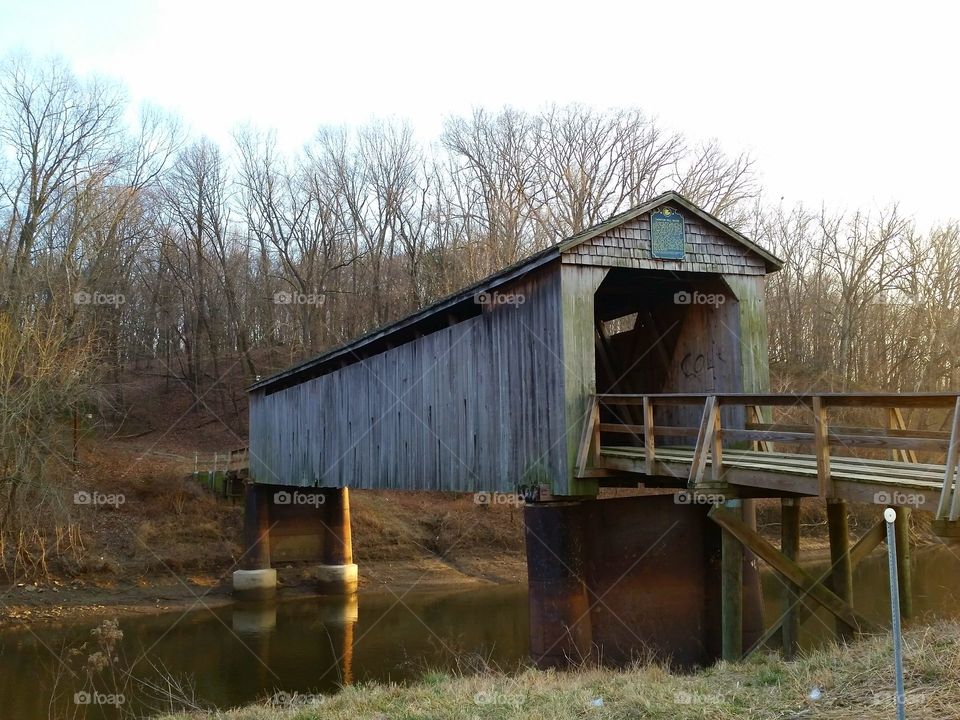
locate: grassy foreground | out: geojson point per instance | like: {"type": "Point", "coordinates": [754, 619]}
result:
{"type": "Point", "coordinates": [836, 682]}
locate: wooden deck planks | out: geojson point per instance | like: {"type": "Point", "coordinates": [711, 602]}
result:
{"type": "Point", "coordinates": [897, 476]}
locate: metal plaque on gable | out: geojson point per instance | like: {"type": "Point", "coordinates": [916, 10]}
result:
{"type": "Point", "coordinates": [667, 235]}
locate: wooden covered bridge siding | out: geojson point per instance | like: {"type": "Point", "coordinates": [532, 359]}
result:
{"type": "Point", "coordinates": [496, 399]}
{"type": "Point", "coordinates": [468, 407]}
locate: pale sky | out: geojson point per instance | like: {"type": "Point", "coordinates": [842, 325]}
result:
{"type": "Point", "coordinates": [855, 104]}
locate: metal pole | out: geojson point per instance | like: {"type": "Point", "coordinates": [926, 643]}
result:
{"type": "Point", "coordinates": [890, 515]}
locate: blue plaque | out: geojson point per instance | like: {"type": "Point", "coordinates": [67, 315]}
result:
{"type": "Point", "coordinates": [667, 235]}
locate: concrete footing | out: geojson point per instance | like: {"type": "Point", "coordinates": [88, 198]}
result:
{"type": "Point", "coordinates": [337, 579]}
{"type": "Point", "coordinates": [255, 583]}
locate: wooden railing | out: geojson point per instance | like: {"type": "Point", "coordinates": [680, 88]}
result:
{"type": "Point", "coordinates": [215, 469]}
{"type": "Point", "coordinates": [902, 442]}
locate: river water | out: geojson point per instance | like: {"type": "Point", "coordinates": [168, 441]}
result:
{"type": "Point", "coordinates": [236, 654]}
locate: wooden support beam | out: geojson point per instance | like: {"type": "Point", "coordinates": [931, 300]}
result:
{"type": "Point", "coordinates": [589, 448]}
{"type": "Point", "coordinates": [867, 543]}
{"type": "Point", "coordinates": [649, 435]}
{"type": "Point", "coordinates": [841, 573]}
{"type": "Point", "coordinates": [755, 417]}
{"type": "Point", "coordinates": [731, 590]}
{"type": "Point", "coordinates": [901, 529]}
{"type": "Point", "coordinates": [950, 495]}
{"type": "Point", "coordinates": [895, 421]}
{"type": "Point", "coordinates": [788, 569]}
{"type": "Point", "coordinates": [708, 424]}
{"type": "Point", "coordinates": [790, 547]}
{"type": "Point", "coordinates": [716, 452]}
{"type": "Point", "coordinates": [822, 447]}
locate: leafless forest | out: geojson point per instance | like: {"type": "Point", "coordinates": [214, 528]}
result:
{"type": "Point", "coordinates": [127, 243]}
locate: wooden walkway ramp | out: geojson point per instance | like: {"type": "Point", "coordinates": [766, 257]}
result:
{"type": "Point", "coordinates": [827, 449]}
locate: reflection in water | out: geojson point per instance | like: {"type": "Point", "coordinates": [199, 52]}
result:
{"type": "Point", "coordinates": [936, 585]}
{"type": "Point", "coordinates": [245, 652]}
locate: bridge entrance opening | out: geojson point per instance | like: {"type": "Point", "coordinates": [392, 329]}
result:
{"type": "Point", "coordinates": [667, 332]}
{"type": "Point", "coordinates": [664, 332]}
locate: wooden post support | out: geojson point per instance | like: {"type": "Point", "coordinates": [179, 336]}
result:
{"type": "Point", "coordinates": [790, 547]}
{"type": "Point", "coordinates": [841, 574]}
{"type": "Point", "coordinates": [649, 436]}
{"type": "Point", "coordinates": [708, 426]}
{"type": "Point", "coordinates": [731, 591]}
{"type": "Point", "coordinates": [788, 569]}
{"type": "Point", "coordinates": [716, 451]}
{"type": "Point", "coordinates": [901, 528]}
{"type": "Point", "coordinates": [822, 447]}
{"type": "Point", "coordinates": [870, 540]}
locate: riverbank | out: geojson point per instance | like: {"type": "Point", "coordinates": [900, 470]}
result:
{"type": "Point", "coordinates": [171, 545]}
{"type": "Point", "coordinates": [835, 682]}
{"type": "Point", "coordinates": [56, 601]}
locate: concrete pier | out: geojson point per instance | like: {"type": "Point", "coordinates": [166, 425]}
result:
{"type": "Point", "coordinates": [255, 579]}
{"type": "Point", "coordinates": [338, 574]}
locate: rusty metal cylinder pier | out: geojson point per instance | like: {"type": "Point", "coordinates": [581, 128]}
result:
{"type": "Point", "coordinates": [338, 574]}
{"type": "Point", "coordinates": [256, 579]}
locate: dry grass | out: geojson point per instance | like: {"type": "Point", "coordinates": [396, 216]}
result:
{"type": "Point", "coordinates": [853, 681]}
{"type": "Point", "coordinates": [394, 525]}
{"type": "Point", "coordinates": [169, 524]}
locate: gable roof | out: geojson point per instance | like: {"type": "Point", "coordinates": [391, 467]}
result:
{"type": "Point", "coordinates": [312, 366]}
{"type": "Point", "coordinates": [772, 262]}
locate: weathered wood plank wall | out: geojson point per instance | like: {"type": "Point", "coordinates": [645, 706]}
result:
{"type": "Point", "coordinates": [474, 406]}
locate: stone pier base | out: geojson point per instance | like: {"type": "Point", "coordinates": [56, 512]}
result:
{"type": "Point", "coordinates": [337, 579]}
{"type": "Point", "coordinates": [255, 583]}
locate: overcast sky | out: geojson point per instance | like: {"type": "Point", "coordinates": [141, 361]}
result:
{"type": "Point", "coordinates": [855, 104]}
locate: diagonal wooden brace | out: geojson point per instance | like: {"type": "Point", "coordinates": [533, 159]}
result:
{"type": "Point", "coordinates": [790, 570]}
{"type": "Point", "coordinates": [864, 546]}
{"type": "Point", "coordinates": [705, 441]}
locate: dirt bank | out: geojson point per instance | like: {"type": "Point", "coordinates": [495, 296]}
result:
{"type": "Point", "coordinates": [170, 544]}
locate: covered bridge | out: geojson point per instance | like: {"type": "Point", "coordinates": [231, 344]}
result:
{"type": "Point", "coordinates": [487, 390]}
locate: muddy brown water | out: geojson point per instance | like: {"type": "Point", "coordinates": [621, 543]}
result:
{"type": "Point", "coordinates": [232, 655]}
